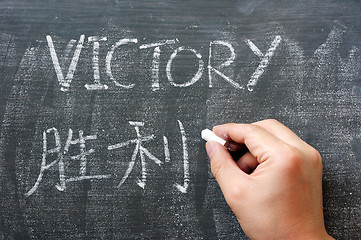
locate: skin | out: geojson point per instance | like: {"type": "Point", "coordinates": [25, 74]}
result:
{"type": "Point", "coordinates": [275, 190]}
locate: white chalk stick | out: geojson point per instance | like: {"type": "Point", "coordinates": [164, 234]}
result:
{"type": "Point", "coordinates": [208, 135]}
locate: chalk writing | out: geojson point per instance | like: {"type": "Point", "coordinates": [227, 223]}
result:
{"type": "Point", "coordinates": [166, 149]}
{"type": "Point", "coordinates": [46, 152]}
{"type": "Point", "coordinates": [96, 85]}
{"type": "Point", "coordinates": [156, 59]}
{"type": "Point", "coordinates": [65, 83]}
{"type": "Point", "coordinates": [183, 188]}
{"type": "Point", "coordinates": [126, 43]}
{"type": "Point", "coordinates": [82, 157]}
{"type": "Point", "coordinates": [227, 63]}
{"type": "Point", "coordinates": [109, 61]}
{"type": "Point", "coordinates": [138, 149]}
{"type": "Point", "coordinates": [265, 59]}
{"type": "Point", "coordinates": [195, 78]}
{"type": "Point", "coordinates": [63, 154]}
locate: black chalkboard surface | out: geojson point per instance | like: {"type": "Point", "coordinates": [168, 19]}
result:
{"type": "Point", "coordinates": [102, 104]}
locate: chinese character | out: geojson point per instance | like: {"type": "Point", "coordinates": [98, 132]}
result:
{"type": "Point", "coordinates": [138, 149]}
{"type": "Point", "coordinates": [82, 157]}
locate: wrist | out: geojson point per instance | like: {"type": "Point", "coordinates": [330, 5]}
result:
{"type": "Point", "coordinates": [306, 234]}
{"type": "Point", "coordinates": [324, 237]}
{"type": "Point", "coordinates": [327, 237]}
{"type": "Point", "coordinates": [320, 236]}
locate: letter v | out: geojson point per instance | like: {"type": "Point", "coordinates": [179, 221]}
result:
{"type": "Point", "coordinates": [65, 83]}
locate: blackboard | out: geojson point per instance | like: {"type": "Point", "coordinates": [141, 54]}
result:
{"type": "Point", "coordinates": [102, 104]}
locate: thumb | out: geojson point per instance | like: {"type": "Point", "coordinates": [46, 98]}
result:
{"type": "Point", "coordinates": [224, 169]}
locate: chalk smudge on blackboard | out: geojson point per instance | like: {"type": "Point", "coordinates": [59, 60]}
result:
{"type": "Point", "coordinates": [7, 50]}
{"type": "Point", "coordinates": [8, 63]}
{"type": "Point", "coordinates": [247, 7]}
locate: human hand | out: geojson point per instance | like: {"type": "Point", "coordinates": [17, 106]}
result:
{"type": "Point", "coordinates": [281, 198]}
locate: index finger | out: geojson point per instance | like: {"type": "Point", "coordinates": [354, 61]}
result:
{"type": "Point", "coordinates": [282, 132]}
{"type": "Point", "coordinates": [261, 143]}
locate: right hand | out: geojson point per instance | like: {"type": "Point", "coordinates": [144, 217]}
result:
{"type": "Point", "coordinates": [282, 197]}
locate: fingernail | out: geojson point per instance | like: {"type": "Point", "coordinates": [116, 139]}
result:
{"type": "Point", "coordinates": [215, 128]}
{"type": "Point", "coordinates": [220, 132]}
{"type": "Point", "coordinates": [211, 148]}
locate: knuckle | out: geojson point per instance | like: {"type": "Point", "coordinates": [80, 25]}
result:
{"type": "Point", "coordinates": [271, 122]}
{"type": "Point", "coordinates": [297, 161]}
{"type": "Point", "coordinates": [293, 157]}
{"type": "Point", "coordinates": [251, 128]}
{"type": "Point", "coordinates": [235, 194]}
{"type": "Point", "coordinates": [315, 158]}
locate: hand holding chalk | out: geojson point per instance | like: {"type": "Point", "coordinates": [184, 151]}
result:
{"type": "Point", "coordinates": [282, 197]}
{"type": "Point", "coordinates": [231, 146]}
{"type": "Point", "coordinates": [236, 150]}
